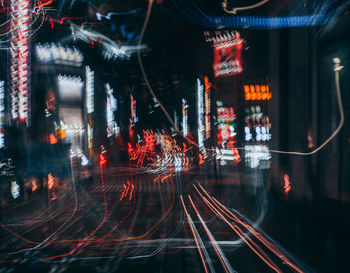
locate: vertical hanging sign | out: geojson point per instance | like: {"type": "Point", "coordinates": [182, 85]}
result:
{"type": "Point", "coordinates": [200, 114]}
{"type": "Point", "coordinates": [19, 59]}
{"type": "Point", "coordinates": [2, 114]}
{"type": "Point", "coordinates": [207, 85]}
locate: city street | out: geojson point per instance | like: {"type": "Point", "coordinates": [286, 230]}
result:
{"type": "Point", "coordinates": [127, 218]}
{"type": "Point", "coordinates": [174, 136]}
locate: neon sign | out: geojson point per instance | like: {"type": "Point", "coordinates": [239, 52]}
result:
{"type": "Point", "coordinates": [51, 186]}
{"type": "Point", "coordinates": [2, 114]}
{"type": "Point", "coordinates": [134, 118]}
{"type": "Point", "coordinates": [57, 54]}
{"type": "Point", "coordinates": [257, 92]}
{"type": "Point", "coordinates": [256, 155]}
{"type": "Point", "coordinates": [89, 90]}
{"type": "Point", "coordinates": [90, 133]}
{"type": "Point", "coordinates": [257, 125]}
{"type": "Point", "coordinates": [184, 117]}
{"type": "Point", "coordinates": [200, 114]}
{"type": "Point", "coordinates": [207, 85]}
{"type": "Point", "coordinates": [15, 189]}
{"type": "Point", "coordinates": [227, 54]}
{"type": "Point", "coordinates": [111, 107]}
{"type": "Point", "coordinates": [35, 185]}
{"type": "Point", "coordinates": [19, 59]}
{"type": "Point", "coordinates": [287, 185]}
{"type": "Point", "coordinates": [70, 88]}
{"type": "Point", "coordinates": [103, 160]}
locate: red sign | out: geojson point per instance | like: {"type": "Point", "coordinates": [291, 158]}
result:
{"type": "Point", "coordinates": [227, 56]}
{"type": "Point", "coordinates": [226, 127]}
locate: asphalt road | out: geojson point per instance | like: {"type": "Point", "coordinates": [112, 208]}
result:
{"type": "Point", "coordinates": [131, 220]}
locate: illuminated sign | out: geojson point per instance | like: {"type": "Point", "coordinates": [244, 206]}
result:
{"type": "Point", "coordinates": [90, 133]}
{"type": "Point", "coordinates": [228, 154]}
{"type": "Point", "coordinates": [89, 90]}
{"type": "Point", "coordinates": [35, 185]}
{"type": "Point", "coordinates": [200, 114]}
{"type": "Point", "coordinates": [111, 107]}
{"type": "Point", "coordinates": [257, 92]}
{"type": "Point", "coordinates": [103, 160]}
{"type": "Point", "coordinates": [134, 118]}
{"type": "Point", "coordinates": [257, 156]}
{"type": "Point", "coordinates": [50, 101]}
{"type": "Point", "coordinates": [50, 181]}
{"type": "Point", "coordinates": [15, 189]}
{"type": "Point", "coordinates": [257, 125]}
{"type": "Point", "coordinates": [207, 85]}
{"type": "Point", "coordinates": [226, 127]}
{"type": "Point", "coordinates": [184, 117]}
{"type": "Point", "coordinates": [70, 88]}
{"type": "Point", "coordinates": [176, 119]}
{"type": "Point", "coordinates": [57, 54]}
{"type": "Point", "coordinates": [19, 58]}
{"type": "Point", "coordinates": [287, 185]}
{"type": "Point", "coordinates": [51, 186]}
{"type": "Point", "coordinates": [2, 114]}
{"type": "Point", "coordinates": [227, 54]}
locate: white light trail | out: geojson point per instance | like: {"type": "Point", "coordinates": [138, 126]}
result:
{"type": "Point", "coordinates": [111, 49]}
{"type": "Point", "coordinates": [89, 90]}
{"type": "Point", "coordinates": [224, 261]}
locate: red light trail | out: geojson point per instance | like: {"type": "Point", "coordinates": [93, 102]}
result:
{"type": "Point", "coordinates": [215, 206]}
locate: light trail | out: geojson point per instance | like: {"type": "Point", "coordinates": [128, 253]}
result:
{"type": "Point", "coordinates": [85, 241]}
{"type": "Point", "coordinates": [222, 257]}
{"type": "Point", "coordinates": [49, 2]}
{"type": "Point", "coordinates": [164, 242]}
{"type": "Point", "coordinates": [256, 249]}
{"type": "Point", "coordinates": [190, 222]}
{"type": "Point", "coordinates": [96, 229]}
{"type": "Point", "coordinates": [272, 247]}
{"type": "Point", "coordinates": [61, 226]}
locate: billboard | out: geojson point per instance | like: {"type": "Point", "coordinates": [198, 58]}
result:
{"type": "Point", "coordinates": [227, 55]}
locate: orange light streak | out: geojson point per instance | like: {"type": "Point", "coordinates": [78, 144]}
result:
{"type": "Point", "coordinates": [258, 235]}
{"type": "Point", "coordinates": [211, 238]}
{"type": "Point", "coordinates": [258, 251]}
{"type": "Point", "coordinates": [194, 235]}
{"type": "Point", "coordinates": [49, 2]}
{"type": "Point", "coordinates": [85, 241]}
